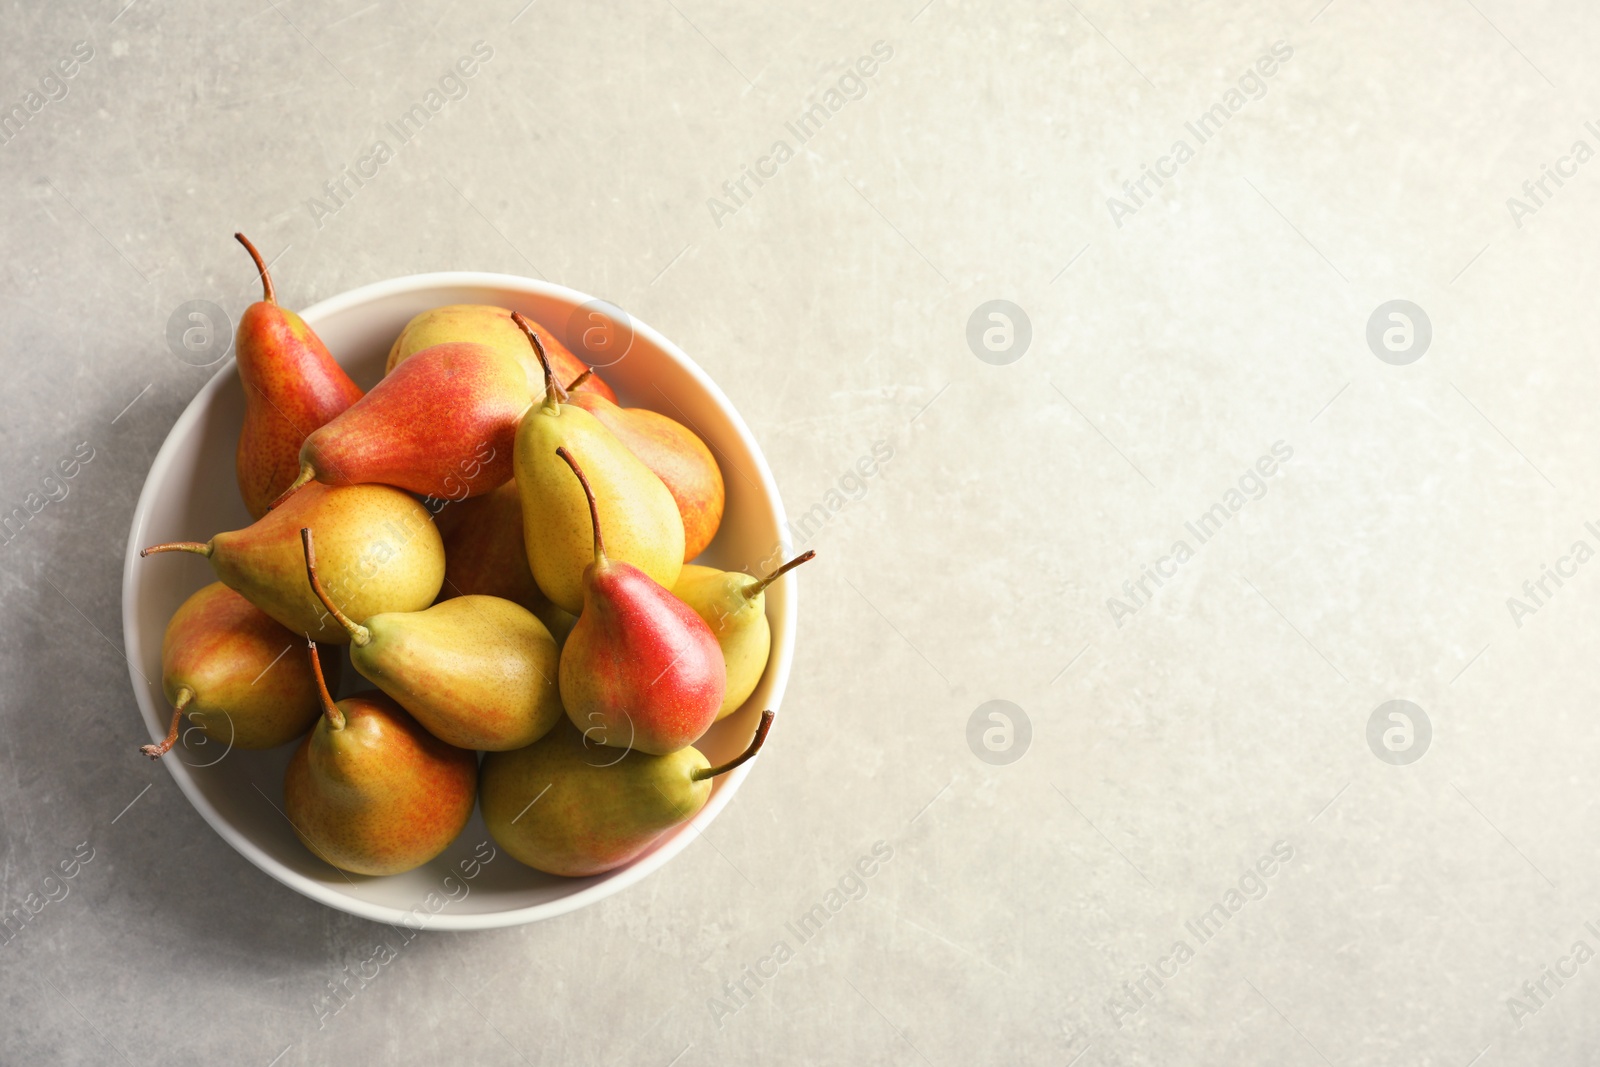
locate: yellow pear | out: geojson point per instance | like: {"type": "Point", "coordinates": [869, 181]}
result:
{"type": "Point", "coordinates": [734, 605]}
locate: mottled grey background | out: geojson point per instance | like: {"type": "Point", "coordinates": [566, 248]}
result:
{"type": "Point", "coordinates": [1227, 312]}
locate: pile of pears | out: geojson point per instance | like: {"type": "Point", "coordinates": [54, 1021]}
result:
{"type": "Point", "coordinates": [506, 558]}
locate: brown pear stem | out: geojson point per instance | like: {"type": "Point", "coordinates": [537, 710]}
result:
{"type": "Point", "coordinates": [266, 279]}
{"type": "Point", "coordinates": [329, 708]}
{"type": "Point", "coordinates": [755, 746]}
{"type": "Point", "coordinates": [185, 695]}
{"type": "Point", "coordinates": [358, 633]}
{"type": "Point", "coordinates": [552, 402]}
{"type": "Point", "coordinates": [594, 510]}
{"type": "Point", "coordinates": [808, 554]}
{"type": "Point", "coordinates": [199, 548]}
{"type": "Point", "coordinates": [572, 386]}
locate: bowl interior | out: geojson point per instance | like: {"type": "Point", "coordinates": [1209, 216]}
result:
{"type": "Point", "coordinates": [191, 493]}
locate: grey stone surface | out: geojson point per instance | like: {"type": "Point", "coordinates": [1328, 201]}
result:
{"type": "Point", "coordinates": [1171, 346]}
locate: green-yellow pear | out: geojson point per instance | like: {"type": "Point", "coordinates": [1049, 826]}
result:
{"type": "Point", "coordinates": [476, 671]}
{"type": "Point", "coordinates": [734, 605]}
{"type": "Point", "coordinates": [486, 325]}
{"type": "Point", "coordinates": [569, 807]}
{"type": "Point", "coordinates": [380, 552]}
{"type": "Point", "coordinates": [643, 526]}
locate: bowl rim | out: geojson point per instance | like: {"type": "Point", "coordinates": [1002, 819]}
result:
{"type": "Point", "coordinates": [779, 664]}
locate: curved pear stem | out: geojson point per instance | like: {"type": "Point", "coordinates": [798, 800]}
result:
{"type": "Point", "coordinates": [329, 708]}
{"type": "Point", "coordinates": [594, 510]}
{"type": "Point", "coordinates": [803, 557]}
{"type": "Point", "coordinates": [358, 633]}
{"type": "Point", "coordinates": [572, 386]}
{"type": "Point", "coordinates": [267, 293]}
{"type": "Point", "coordinates": [755, 746]}
{"type": "Point", "coordinates": [552, 401]}
{"type": "Point", "coordinates": [307, 474]}
{"type": "Point", "coordinates": [199, 548]}
{"type": "Point", "coordinates": [185, 695]}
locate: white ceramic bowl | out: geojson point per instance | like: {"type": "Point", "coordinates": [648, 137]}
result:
{"type": "Point", "coordinates": [191, 493]}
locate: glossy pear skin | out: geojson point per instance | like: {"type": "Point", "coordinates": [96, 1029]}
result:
{"type": "Point", "coordinates": [378, 551]}
{"type": "Point", "coordinates": [600, 811]}
{"type": "Point", "coordinates": [292, 386]}
{"type": "Point", "coordinates": [640, 670]}
{"type": "Point", "coordinates": [679, 458]}
{"type": "Point", "coordinates": [484, 554]}
{"type": "Point", "coordinates": [737, 620]}
{"type": "Point", "coordinates": [379, 795]}
{"type": "Point", "coordinates": [642, 524]}
{"type": "Point", "coordinates": [492, 326]}
{"type": "Point", "coordinates": [442, 425]}
{"type": "Point", "coordinates": [250, 679]}
{"type": "Point", "coordinates": [477, 671]}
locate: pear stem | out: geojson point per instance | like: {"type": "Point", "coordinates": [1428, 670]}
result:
{"type": "Point", "coordinates": [199, 548]}
{"type": "Point", "coordinates": [329, 708]}
{"type": "Point", "coordinates": [572, 386]}
{"type": "Point", "coordinates": [358, 633]}
{"type": "Point", "coordinates": [157, 751]}
{"type": "Point", "coordinates": [808, 554]}
{"type": "Point", "coordinates": [755, 746]}
{"type": "Point", "coordinates": [552, 402]}
{"type": "Point", "coordinates": [266, 279]}
{"type": "Point", "coordinates": [307, 474]}
{"type": "Point", "coordinates": [594, 511]}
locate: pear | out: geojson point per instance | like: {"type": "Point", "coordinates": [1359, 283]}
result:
{"type": "Point", "coordinates": [640, 669]}
{"type": "Point", "coordinates": [442, 425]}
{"type": "Point", "coordinates": [564, 807]}
{"type": "Point", "coordinates": [380, 553]}
{"type": "Point", "coordinates": [734, 605]}
{"type": "Point", "coordinates": [291, 386]}
{"type": "Point", "coordinates": [646, 529]}
{"type": "Point", "coordinates": [485, 555]}
{"type": "Point", "coordinates": [241, 678]}
{"type": "Point", "coordinates": [476, 671]}
{"type": "Point", "coordinates": [490, 326]}
{"type": "Point", "coordinates": [370, 791]}
{"type": "Point", "coordinates": [677, 456]}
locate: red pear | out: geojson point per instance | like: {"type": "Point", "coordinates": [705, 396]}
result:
{"type": "Point", "coordinates": [442, 425]}
{"type": "Point", "coordinates": [640, 670]}
{"type": "Point", "coordinates": [292, 386]}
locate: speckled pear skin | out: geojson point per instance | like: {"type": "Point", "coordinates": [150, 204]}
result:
{"type": "Point", "coordinates": [292, 386]}
{"type": "Point", "coordinates": [679, 458]}
{"type": "Point", "coordinates": [640, 670]}
{"type": "Point", "coordinates": [642, 524]}
{"type": "Point", "coordinates": [737, 620]}
{"type": "Point", "coordinates": [442, 425]}
{"type": "Point", "coordinates": [380, 795]}
{"type": "Point", "coordinates": [477, 671]}
{"type": "Point", "coordinates": [484, 554]}
{"type": "Point", "coordinates": [378, 551]}
{"type": "Point", "coordinates": [492, 326]}
{"type": "Point", "coordinates": [603, 808]}
{"type": "Point", "coordinates": [250, 679]}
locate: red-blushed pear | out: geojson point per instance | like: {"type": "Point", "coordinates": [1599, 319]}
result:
{"type": "Point", "coordinates": [442, 425]}
{"type": "Point", "coordinates": [677, 456]}
{"type": "Point", "coordinates": [380, 552]}
{"type": "Point", "coordinates": [476, 671]}
{"type": "Point", "coordinates": [640, 670]}
{"type": "Point", "coordinates": [492, 326]}
{"type": "Point", "coordinates": [370, 791]}
{"type": "Point", "coordinates": [245, 681]}
{"type": "Point", "coordinates": [292, 385]}
{"type": "Point", "coordinates": [734, 605]}
{"type": "Point", "coordinates": [485, 555]}
{"type": "Point", "coordinates": [565, 807]}
{"type": "Point", "coordinates": [643, 526]}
